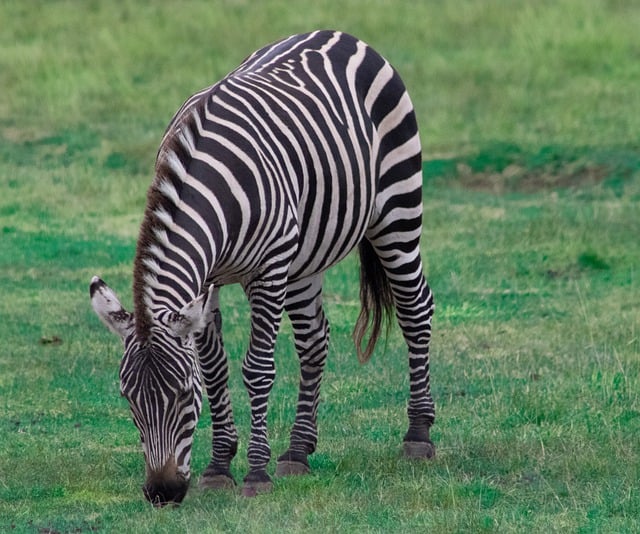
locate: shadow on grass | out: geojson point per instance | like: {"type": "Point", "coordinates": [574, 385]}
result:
{"type": "Point", "coordinates": [508, 168]}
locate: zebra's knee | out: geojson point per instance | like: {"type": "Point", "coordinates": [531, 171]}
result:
{"type": "Point", "coordinates": [319, 344]}
{"type": "Point", "coordinates": [312, 341]}
{"type": "Point", "coordinates": [258, 374]}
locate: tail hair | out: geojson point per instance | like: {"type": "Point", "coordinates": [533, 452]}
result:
{"type": "Point", "coordinates": [376, 300]}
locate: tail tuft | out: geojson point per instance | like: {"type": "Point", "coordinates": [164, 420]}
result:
{"type": "Point", "coordinates": [376, 299]}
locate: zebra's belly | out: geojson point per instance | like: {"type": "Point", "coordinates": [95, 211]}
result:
{"type": "Point", "coordinates": [323, 244]}
{"type": "Point", "coordinates": [333, 212]}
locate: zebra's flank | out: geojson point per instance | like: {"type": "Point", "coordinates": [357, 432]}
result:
{"type": "Point", "coordinates": [376, 299]}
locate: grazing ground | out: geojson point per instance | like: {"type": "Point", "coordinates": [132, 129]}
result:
{"type": "Point", "coordinates": [530, 121]}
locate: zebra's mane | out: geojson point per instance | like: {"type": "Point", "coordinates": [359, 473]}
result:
{"type": "Point", "coordinates": [173, 157]}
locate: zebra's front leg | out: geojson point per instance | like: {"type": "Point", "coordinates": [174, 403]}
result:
{"type": "Point", "coordinates": [311, 331]}
{"type": "Point", "coordinates": [215, 372]}
{"type": "Point", "coordinates": [258, 372]}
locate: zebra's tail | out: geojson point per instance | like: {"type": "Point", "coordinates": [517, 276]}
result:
{"type": "Point", "coordinates": [376, 299]}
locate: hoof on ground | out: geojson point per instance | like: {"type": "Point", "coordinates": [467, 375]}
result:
{"type": "Point", "coordinates": [251, 489]}
{"type": "Point", "coordinates": [288, 467]}
{"type": "Point", "coordinates": [256, 482]}
{"type": "Point", "coordinates": [419, 450]}
{"type": "Point", "coordinates": [216, 482]}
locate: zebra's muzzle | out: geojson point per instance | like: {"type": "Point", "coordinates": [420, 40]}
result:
{"type": "Point", "coordinates": [166, 492]}
{"type": "Point", "coordinates": [166, 486]}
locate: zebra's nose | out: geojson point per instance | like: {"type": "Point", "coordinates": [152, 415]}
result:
{"type": "Point", "coordinates": [163, 493]}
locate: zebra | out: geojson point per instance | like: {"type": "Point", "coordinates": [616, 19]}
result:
{"type": "Point", "coordinates": [307, 150]}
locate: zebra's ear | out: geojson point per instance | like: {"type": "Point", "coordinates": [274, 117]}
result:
{"type": "Point", "coordinates": [195, 316]}
{"type": "Point", "coordinates": [107, 306]}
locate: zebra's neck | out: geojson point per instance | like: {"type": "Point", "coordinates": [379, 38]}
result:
{"type": "Point", "coordinates": [173, 257]}
{"type": "Point", "coordinates": [165, 280]}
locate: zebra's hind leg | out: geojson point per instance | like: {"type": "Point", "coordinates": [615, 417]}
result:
{"type": "Point", "coordinates": [415, 310]}
{"type": "Point", "coordinates": [311, 332]}
{"type": "Point", "coordinates": [215, 372]}
{"type": "Point", "coordinates": [414, 305]}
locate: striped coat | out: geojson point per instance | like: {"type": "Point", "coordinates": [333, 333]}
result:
{"type": "Point", "coordinates": [268, 178]}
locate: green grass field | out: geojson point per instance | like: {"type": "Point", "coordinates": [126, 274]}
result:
{"type": "Point", "coordinates": [530, 118]}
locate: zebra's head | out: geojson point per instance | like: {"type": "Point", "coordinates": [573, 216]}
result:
{"type": "Point", "coordinates": [160, 378]}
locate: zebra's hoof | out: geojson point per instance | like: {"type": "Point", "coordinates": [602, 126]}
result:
{"type": "Point", "coordinates": [287, 467]}
{"type": "Point", "coordinates": [216, 482]}
{"type": "Point", "coordinates": [255, 483]}
{"type": "Point", "coordinates": [292, 463]}
{"type": "Point", "coordinates": [251, 489]}
{"type": "Point", "coordinates": [216, 479]}
{"type": "Point", "coordinates": [419, 450]}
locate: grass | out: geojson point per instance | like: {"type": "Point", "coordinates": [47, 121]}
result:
{"type": "Point", "coordinates": [532, 193]}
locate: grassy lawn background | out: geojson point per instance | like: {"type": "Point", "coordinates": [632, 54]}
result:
{"type": "Point", "coordinates": [529, 117]}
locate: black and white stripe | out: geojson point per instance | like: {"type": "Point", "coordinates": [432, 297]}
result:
{"type": "Point", "coordinates": [267, 178]}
